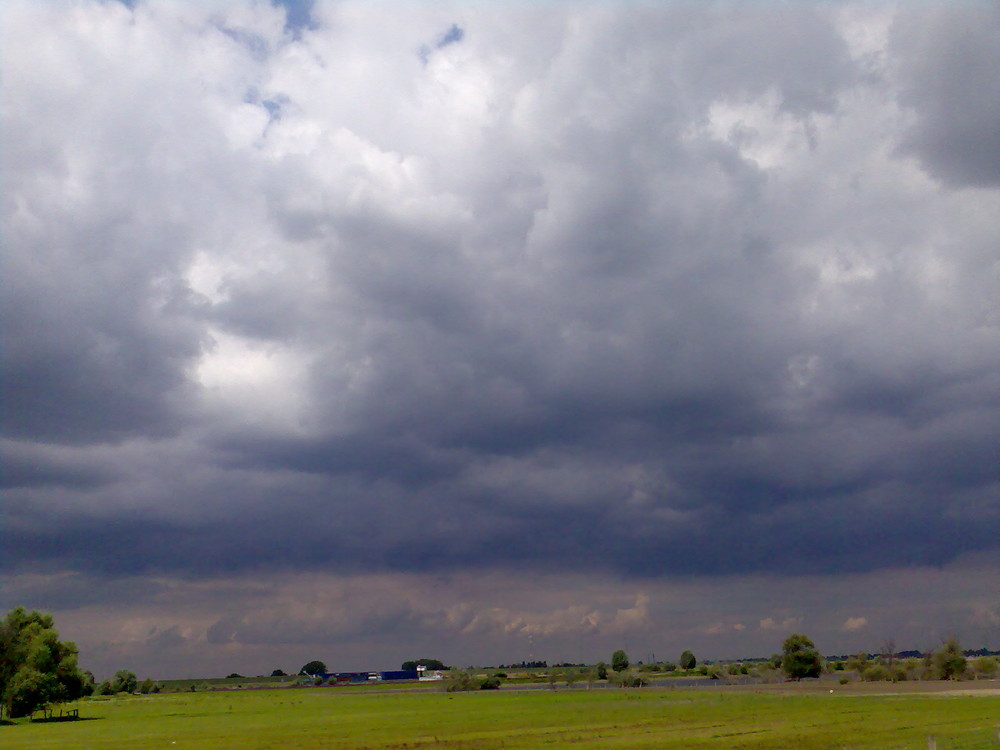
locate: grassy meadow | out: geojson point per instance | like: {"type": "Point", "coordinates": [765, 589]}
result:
{"type": "Point", "coordinates": [781, 717]}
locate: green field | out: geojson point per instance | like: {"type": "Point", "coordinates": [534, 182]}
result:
{"type": "Point", "coordinates": [781, 717]}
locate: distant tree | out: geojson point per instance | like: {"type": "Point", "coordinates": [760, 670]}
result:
{"type": "Point", "coordinates": [688, 661]}
{"type": "Point", "coordinates": [602, 670]}
{"type": "Point", "coordinates": [435, 664]}
{"type": "Point", "coordinates": [619, 660]}
{"type": "Point", "coordinates": [124, 681]}
{"type": "Point", "coordinates": [800, 658]}
{"type": "Point", "coordinates": [105, 688]}
{"type": "Point", "coordinates": [858, 663]}
{"type": "Point", "coordinates": [313, 668]}
{"type": "Point", "coordinates": [984, 666]}
{"type": "Point", "coordinates": [948, 660]}
{"type": "Point", "coordinates": [36, 668]}
{"type": "Point", "coordinates": [89, 683]}
{"type": "Point", "coordinates": [278, 673]}
{"type": "Point", "coordinates": [234, 676]}
{"type": "Point", "coordinates": [461, 680]}
{"type": "Point", "coordinates": [147, 686]}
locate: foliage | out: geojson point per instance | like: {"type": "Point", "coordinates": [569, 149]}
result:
{"type": "Point", "coordinates": [948, 660]}
{"type": "Point", "coordinates": [124, 681]}
{"type": "Point", "coordinates": [875, 673]}
{"type": "Point", "coordinates": [985, 667]}
{"type": "Point", "coordinates": [688, 661]}
{"type": "Point", "coordinates": [626, 678]}
{"type": "Point", "coordinates": [858, 663]}
{"type": "Point", "coordinates": [313, 667]}
{"type": "Point", "coordinates": [435, 664]}
{"type": "Point", "coordinates": [799, 657]}
{"type": "Point", "coordinates": [619, 660]}
{"type": "Point", "coordinates": [490, 682]}
{"type": "Point", "coordinates": [36, 668]}
{"type": "Point", "coordinates": [602, 670]}
{"type": "Point", "coordinates": [278, 673]}
{"type": "Point", "coordinates": [461, 681]}
{"type": "Point", "coordinates": [234, 676]}
{"type": "Point", "coordinates": [148, 686]}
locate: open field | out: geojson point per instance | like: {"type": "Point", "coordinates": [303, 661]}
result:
{"type": "Point", "coordinates": [776, 717]}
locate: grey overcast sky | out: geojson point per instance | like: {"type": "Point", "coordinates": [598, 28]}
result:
{"type": "Point", "coordinates": [487, 331]}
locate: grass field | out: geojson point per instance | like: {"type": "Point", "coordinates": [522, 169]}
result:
{"type": "Point", "coordinates": [780, 717]}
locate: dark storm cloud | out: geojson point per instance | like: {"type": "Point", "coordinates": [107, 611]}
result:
{"type": "Point", "coordinates": [643, 295]}
{"type": "Point", "coordinates": [949, 57]}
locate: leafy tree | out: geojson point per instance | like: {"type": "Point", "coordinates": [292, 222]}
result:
{"type": "Point", "coordinates": [948, 660]}
{"type": "Point", "coordinates": [460, 681]}
{"type": "Point", "coordinates": [148, 686]}
{"type": "Point", "coordinates": [800, 658]}
{"type": "Point", "coordinates": [234, 676]}
{"type": "Point", "coordinates": [36, 668]}
{"type": "Point", "coordinates": [619, 660]}
{"type": "Point", "coordinates": [602, 670]}
{"type": "Point", "coordinates": [278, 673]}
{"type": "Point", "coordinates": [313, 667]}
{"type": "Point", "coordinates": [688, 661]}
{"type": "Point", "coordinates": [124, 681]}
{"type": "Point", "coordinates": [435, 664]}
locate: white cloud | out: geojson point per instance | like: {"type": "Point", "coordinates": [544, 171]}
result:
{"type": "Point", "coordinates": [851, 624]}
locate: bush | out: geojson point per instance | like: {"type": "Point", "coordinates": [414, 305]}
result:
{"type": "Point", "coordinates": [875, 673]}
{"type": "Point", "coordinates": [460, 681]}
{"type": "Point", "coordinates": [948, 661]}
{"type": "Point", "coordinates": [491, 682]}
{"type": "Point", "coordinates": [602, 670]}
{"type": "Point", "coordinates": [844, 679]}
{"type": "Point", "coordinates": [627, 679]}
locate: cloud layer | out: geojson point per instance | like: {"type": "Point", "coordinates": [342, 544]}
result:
{"type": "Point", "coordinates": [387, 290]}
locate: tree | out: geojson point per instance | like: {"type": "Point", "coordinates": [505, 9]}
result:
{"type": "Point", "coordinates": [278, 673]}
{"type": "Point", "coordinates": [602, 670]}
{"type": "Point", "coordinates": [313, 668]}
{"type": "Point", "coordinates": [435, 664]}
{"type": "Point", "coordinates": [619, 660]}
{"type": "Point", "coordinates": [124, 681]}
{"type": "Point", "coordinates": [800, 658]}
{"type": "Point", "coordinates": [949, 663]}
{"type": "Point", "coordinates": [36, 668]}
{"type": "Point", "coordinates": [688, 661]}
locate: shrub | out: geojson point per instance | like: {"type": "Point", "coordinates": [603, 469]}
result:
{"type": "Point", "coordinates": [602, 670]}
{"type": "Point", "coordinates": [948, 660]}
{"type": "Point", "coordinates": [460, 681]}
{"type": "Point", "coordinates": [875, 673]}
{"type": "Point", "coordinates": [627, 679]}
{"type": "Point", "coordinates": [491, 682]}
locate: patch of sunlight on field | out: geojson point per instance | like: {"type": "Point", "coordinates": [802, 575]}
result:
{"type": "Point", "coordinates": [340, 718]}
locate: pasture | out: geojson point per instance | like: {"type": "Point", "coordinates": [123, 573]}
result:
{"type": "Point", "coordinates": [778, 717]}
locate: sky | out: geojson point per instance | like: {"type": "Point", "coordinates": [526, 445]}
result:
{"type": "Point", "coordinates": [491, 331]}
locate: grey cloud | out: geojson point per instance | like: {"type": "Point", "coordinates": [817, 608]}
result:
{"type": "Point", "coordinates": [649, 298]}
{"type": "Point", "coordinates": [949, 55]}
